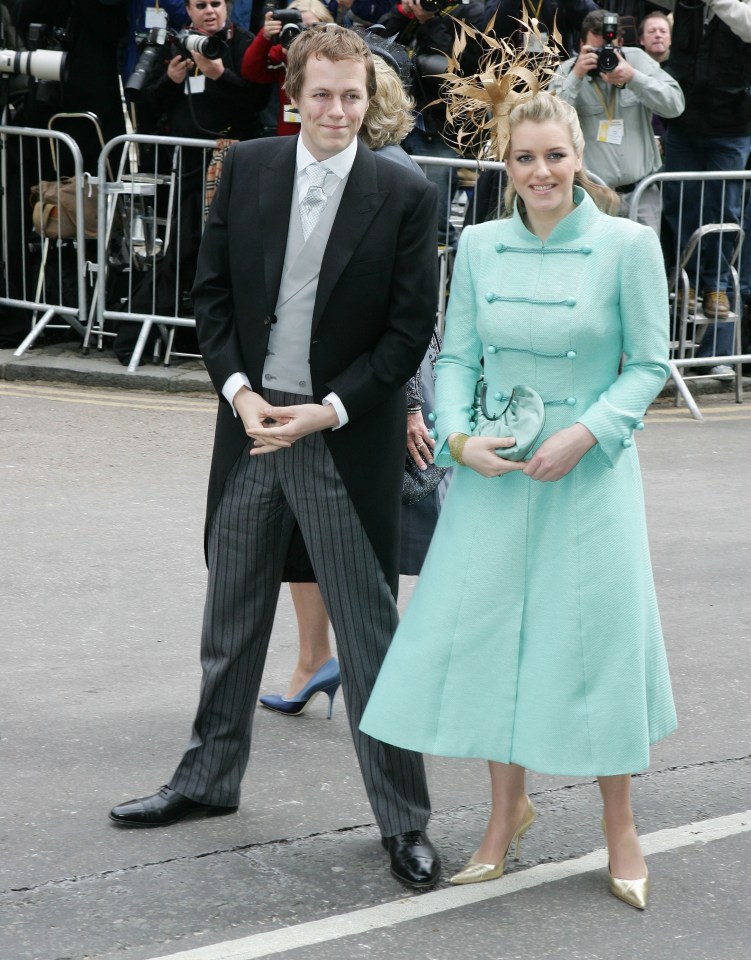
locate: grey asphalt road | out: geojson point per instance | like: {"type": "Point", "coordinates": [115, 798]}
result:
{"type": "Point", "coordinates": [101, 501]}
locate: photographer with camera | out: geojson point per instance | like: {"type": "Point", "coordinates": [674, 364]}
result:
{"type": "Point", "coordinates": [265, 60]}
{"type": "Point", "coordinates": [196, 95]}
{"type": "Point", "coordinates": [427, 28]}
{"type": "Point", "coordinates": [615, 91]}
{"type": "Point", "coordinates": [193, 88]}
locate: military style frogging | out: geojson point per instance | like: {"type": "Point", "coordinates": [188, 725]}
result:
{"type": "Point", "coordinates": [533, 636]}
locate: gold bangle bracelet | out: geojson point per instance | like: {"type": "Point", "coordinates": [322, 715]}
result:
{"type": "Point", "coordinates": [456, 447]}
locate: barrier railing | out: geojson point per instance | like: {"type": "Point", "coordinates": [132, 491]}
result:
{"type": "Point", "coordinates": [150, 219]}
{"type": "Point", "coordinates": [463, 205]}
{"type": "Point", "coordinates": [36, 263]}
{"type": "Point", "coordinates": [704, 211]}
{"type": "Point", "coordinates": [150, 222]}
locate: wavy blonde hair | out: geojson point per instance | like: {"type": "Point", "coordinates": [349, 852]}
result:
{"type": "Point", "coordinates": [546, 108]}
{"type": "Point", "coordinates": [390, 114]}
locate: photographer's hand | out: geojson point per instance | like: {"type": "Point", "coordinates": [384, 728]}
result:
{"type": "Point", "coordinates": [178, 69]}
{"type": "Point", "coordinates": [623, 73]}
{"type": "Point", "coordinates": [211, 69]}
{"type": "Point", "coordinates": [271, 28]}
{"type": "Point", "coordinates": [586, 61]}
{"type": "Point", "coordinates": [414, 8]}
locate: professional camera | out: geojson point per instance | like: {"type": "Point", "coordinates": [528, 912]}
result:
{"type": "Point", "coordinates": [191, 41]}
{"type": "Point", "coordinates": [40, 64]}
{"type": "Point", "coordinates": [291, 21]}
{"type": "Point", "coordinates": [150, 47]}
{"type": "Point", "coordinates": [607, 57]}
{"type": "Point", "coordinates": [49, 64]}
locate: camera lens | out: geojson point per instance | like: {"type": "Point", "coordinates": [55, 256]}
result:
{"type": "Point", "coordinates": [607, 60]}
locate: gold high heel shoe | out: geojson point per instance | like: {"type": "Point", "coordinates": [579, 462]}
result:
{"type": "Point", "coordinates": [633, 892]}
{"type": "Point", "coordinates": [474, 872]}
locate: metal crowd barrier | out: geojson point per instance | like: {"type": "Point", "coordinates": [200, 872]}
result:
{"type": "Point", "coordinates": [150, 218]}
{"type": "Point", "coordinates": [461, 203]}
{"type": "Point", "coordinates": [696, 332]}
{"type": "Point", "coordinates": [35, 264]}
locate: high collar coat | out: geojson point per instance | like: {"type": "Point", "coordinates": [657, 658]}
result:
{"type": "Point", "coordinates": [372, 320]}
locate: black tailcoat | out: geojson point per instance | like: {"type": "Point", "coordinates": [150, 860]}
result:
{"type": "Point", "coordinates": [373, 317]}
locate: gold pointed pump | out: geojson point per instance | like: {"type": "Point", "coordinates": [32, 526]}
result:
{"type": "Point", "coordinates": [633, 892]}
{"type": "Point", "coordinates": [474, 872]}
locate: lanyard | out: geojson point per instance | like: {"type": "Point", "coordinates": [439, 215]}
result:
{"type": "Point", "coordinates": [608, 108]}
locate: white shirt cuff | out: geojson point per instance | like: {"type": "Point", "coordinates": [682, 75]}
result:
{"type": "Point", "coordinates": [232, 385]}
{"type": "Point", "coordinates": [331, 399]}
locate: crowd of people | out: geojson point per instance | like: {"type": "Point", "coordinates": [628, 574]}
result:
{"type": "Point", "coordinates": [676, 98]}
{"type": "Point", "coordinates": [533, 637]}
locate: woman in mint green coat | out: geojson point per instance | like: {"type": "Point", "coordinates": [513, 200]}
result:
{"type": "Point", "coordinates": [533, 637]}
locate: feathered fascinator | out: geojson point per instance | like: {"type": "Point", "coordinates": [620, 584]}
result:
{"type": "Point", "coordinates": [477, 106]}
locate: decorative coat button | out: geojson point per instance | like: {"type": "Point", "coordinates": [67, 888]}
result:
{"type": "Point", "coordinates": [433, 434]}
{"type": "Point", "coordinates": [301, 383]}
{"type": "Point", "coordinates": [570, 401]}
{"type": "Point", "coordinates": [571, 301]}
{"type": "Point", "coordinates": [498, 396]}
{"type": "Point", "coordinates": [586, 250]}
{"type": "Point", "coordinates": [639, 425]}
{"type": "Point", "coordinates": [491, 348]}
{"type": "Point", "coordinates": [268, 376]}
{"type": "Point", "coordinates": [571, 354]}
{"type": "Point", "coordinates": [627, 442]}
{"type": "Point", "coordinates": [500, 247]}
{"type": "Point", "coordinates": [490, 296]}
{"type": "Point", "coordinates": [431, 417]}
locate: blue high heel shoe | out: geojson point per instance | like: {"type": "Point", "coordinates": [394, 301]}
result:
{"type": "Point", "coordinates": [326, 680]}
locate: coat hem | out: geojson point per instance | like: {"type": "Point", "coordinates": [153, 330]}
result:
{"type": "Point", "coordinates": [639, 766]}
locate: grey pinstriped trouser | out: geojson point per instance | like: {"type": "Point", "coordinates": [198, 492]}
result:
{"type": "Point", "coordinates": [249, 534]}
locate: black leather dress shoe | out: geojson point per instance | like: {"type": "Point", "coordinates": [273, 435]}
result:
{"type": "Point", "coordinates": [413, 858]}
{"type": "Point", "coordinates": [163, 808]}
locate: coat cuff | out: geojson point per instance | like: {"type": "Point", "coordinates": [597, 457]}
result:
{"type": "Point", "coordinates": [613, 429]}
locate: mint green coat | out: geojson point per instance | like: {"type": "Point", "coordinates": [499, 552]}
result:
{"type": "Point", "coordinates": [533, 635]}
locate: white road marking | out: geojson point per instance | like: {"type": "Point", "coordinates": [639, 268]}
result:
{"type": "Point", "coordinates": [112, 398]}
{"type": "Point", "coordinates": [415, 908]}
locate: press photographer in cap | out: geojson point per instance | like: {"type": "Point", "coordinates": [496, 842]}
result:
{"type": "Point", "coordinates": [615, 91]}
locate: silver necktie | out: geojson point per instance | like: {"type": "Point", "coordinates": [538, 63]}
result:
{"type": "Point", "coordinates": [315, 199]}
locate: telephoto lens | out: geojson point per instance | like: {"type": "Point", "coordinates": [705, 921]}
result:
{"type": "Point", "coordinates": [210, 47]}
{"type": "Point", "coordinates": [40, 64]}
{"type": "Point", "coordinates": [141, 71]}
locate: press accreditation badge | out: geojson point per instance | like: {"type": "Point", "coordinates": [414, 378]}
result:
{"type": "Point", "coordinates": [197, 84]}
{"type": "Point", "coordinates": [610, 131]}
{"type": "Point", "coordinates": [155, 18]}
{"type": "Point", "coordinates": [290, 114]}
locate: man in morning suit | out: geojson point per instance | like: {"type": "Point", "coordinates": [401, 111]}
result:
{"type": "Point", "coordinates": [315, 299]}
